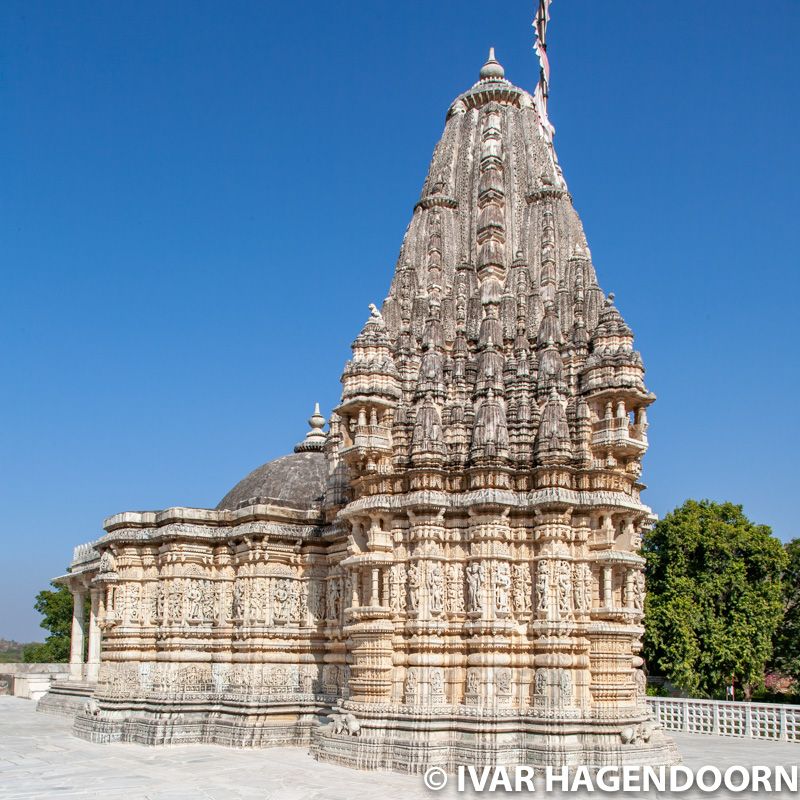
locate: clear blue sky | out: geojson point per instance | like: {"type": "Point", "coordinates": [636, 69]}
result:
{"type": "Point", "coordinates": [198, 200]}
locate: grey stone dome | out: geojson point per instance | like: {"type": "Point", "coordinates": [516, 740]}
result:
{"type": "Point", "coordinates": [297, 480]}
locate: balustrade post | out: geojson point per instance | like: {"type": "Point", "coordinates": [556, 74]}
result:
{"type": "Point", "coordinates": [715, 723]}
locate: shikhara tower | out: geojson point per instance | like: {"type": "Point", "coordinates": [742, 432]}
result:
{"type": "Point", "coordinates": [452, 572]}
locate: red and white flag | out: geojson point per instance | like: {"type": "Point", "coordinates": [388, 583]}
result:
{"type": "Point", "coordinates": [540, 46]}
{"type": "Point", "coordinates": [540, 42]}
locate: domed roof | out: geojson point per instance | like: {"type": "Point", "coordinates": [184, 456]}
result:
{"type": "Point", "coordinates": [297, 480]}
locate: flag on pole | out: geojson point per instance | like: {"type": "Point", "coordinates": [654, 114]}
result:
{"type": "Point", "coordinates": [540, 42]}
{"type": "Point", "coordinates": [540, 46]}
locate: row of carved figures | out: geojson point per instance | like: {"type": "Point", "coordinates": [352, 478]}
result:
{"type": "Point", "coordinates": [182, 600]}
{"type": "Point", "coordinates": [560, 588]}
{"type": "Point", "coordinates": [424, 586]}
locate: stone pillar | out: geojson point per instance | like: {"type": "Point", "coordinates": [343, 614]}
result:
{"type": "Point", "coordinates": [561, 654]}
{"type": "Point", "coordinates": [608, 587]}
{"type": "Point", "coordinates": [489, 674]}
{"type": "Point", "coordinates": [93, 660]}
{"type": "Point", "coordinates": [374, 599]}
{"type": "Point", "coordinates": [628, 600]}
{"type": "Point", "coordinates": [76, 641]}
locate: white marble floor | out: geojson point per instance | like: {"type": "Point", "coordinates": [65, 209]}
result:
{"type": "Point", "coordinates": [40, 759]}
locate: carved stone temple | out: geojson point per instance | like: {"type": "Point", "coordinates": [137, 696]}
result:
{"type": "Point", "coordinates": [451, 573]}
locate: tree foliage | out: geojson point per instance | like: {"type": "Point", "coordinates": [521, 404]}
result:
{"type": "Point", "coordinates": [786, 644]}
{"type": "Point", "coordinates": [56, 610]}
{"type": "Point", "coordinates": [714, 597]}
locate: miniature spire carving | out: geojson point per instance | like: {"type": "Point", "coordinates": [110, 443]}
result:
{"type": "Point", "coordinates": [316, 437]}
{"type": "Point", "coordinates": [490, 435]}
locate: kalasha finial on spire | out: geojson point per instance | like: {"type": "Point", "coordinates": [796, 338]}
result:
{"type": "Point", "coordinates": [315, 438]}
{"type": "Point", "coordinates": [492, 69]}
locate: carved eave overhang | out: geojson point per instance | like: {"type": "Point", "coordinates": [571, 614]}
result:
{"type": "Point", "coordinates": [527, 501]}
{"type": "Point", "coordinates": [264, 529]}
{"type": "Point", "coordinates": [548, 193]}
{"type": "Point", "coordinates": [263, 521]}
{"type": "Point", "coordinates": [611, 556]}
{"type": "Point", "coordinates": [358, 400]}
{"type": "Point", "coordinates": [80, 575]}
{"type": "Point", "coordinates": [490, 90]}
{"type": "Point", "coordinates": [630, 394]}
{"type": "Point", "coordinates": [606, 627]}
{"type": "Point", "coordinates": [436, 201]}
{"type": "Point", "coordinates": [337, 530]}
{"type": "Point", "coordinates": [210, 517]}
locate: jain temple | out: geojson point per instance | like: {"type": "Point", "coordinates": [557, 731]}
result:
{"type": "Point", "coordinates": [450, 573]}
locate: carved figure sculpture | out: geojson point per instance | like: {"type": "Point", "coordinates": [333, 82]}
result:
{"type": "Point", "coordinates": [502, 586]}
{"type": "Point", "coordinates": [638, 591]}
{"type": "Point", "coordinates": [475, 574]}
{"type": "Point", "coordinates": [435, 585]}
{"type": "Point", "coordinates": [413, 587]}
{"type": "Point", "coordinates": [564, 587]}
{"type": "Point", "coordinates": [543, 586]}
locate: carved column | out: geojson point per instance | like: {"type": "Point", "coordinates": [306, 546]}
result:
{"type": "Point", "coordinates": [93, 660]}
{"type": "Point", "coordinates": [615, 630]}
{"type": "Point", "coordinates": [78, 628]}
{"type": "Point", "coordinates": [368, 628]}
{"type": "Point", "coordinates": [608, 583]}
{"type": "Point", "coordinates": [561, 653]}
{"type": "Point", "coordinates": [424, 681]}
{"type": "Point", "coordinates": [489, 678]}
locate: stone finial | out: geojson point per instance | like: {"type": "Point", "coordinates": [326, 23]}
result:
{"type": "Point", "coordinates": [492, 69]}
{"type": "Point", "coordinates": [315, 438]}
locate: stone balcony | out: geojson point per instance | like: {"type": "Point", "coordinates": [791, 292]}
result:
{"type": "Point", "coordinates": [620, 435]}
{"type": "Point", "coordinates": [369, 440]}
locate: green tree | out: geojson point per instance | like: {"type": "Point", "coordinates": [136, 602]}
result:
{"type": "Point", "coordinates": [714, 597]}
{"type": "Point", "coordinates": [786, 644]}
{"type": "Point", "coordinates": [56, 610]}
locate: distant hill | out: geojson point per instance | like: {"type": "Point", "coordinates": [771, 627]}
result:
{"type": "Point", "coordinates": [11, 651]}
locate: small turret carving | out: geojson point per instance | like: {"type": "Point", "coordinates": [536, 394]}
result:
{"type": "Point", "coordinates": [490, 434]}
{"type": "Point", "coordinates": [553, 443]}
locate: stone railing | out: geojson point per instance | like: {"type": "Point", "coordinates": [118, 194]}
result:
{"type": "Point", "coordinates": [84, 553]}
{"type": "Point", "coordinates": [724, 718]}
{"type": "Point", "coordinates": [619, 432]}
